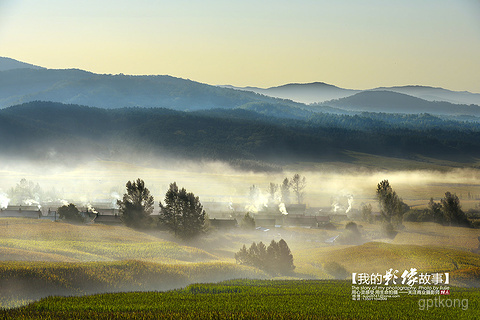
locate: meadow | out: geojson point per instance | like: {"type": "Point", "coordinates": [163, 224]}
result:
{"type": "Point", "coordinates": [40, 258]}
{"type": "Point", "coordinates": [246, 299]}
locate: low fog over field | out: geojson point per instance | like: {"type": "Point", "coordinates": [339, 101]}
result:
{"type": "Point", "coordinates": [40, 257]}
{"type": "Point", "coordinates": [104, 181]}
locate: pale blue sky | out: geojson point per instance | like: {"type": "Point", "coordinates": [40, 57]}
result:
{"type": "Point", "coordinates": [353, 44]}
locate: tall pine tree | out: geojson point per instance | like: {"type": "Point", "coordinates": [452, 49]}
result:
{"type": "Point", "coordinates": [182, 213]}
{"type": "Point", "coordinates": [136, 205]}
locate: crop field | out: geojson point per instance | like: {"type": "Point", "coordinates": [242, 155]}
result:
{"type": "Point", "coordinates": [43, 258]}
{"type": "Point", "coordinates": [23, 239]}
{"type": "Point", "coordinates": [21, 282]}
{"type": "Point", "coordinates": [245, 299]}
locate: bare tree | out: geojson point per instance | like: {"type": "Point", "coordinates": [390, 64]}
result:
{"type": "Point", "coordinates": [285, 190]}
{"type": "Point", "coordinates": [272, 191]}
{"type": "Point", "coordinates": [298, 186]}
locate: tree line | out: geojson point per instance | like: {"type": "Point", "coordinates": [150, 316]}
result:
{"type": "Point", "coordinates": [231, 134]}
{"type": "Point", "coordinates": [275, 259]}
{"type": "Point", "coordinates": [181, 212]}
{"type": "Point", "coordinates": [282, 193]}
{"type": "Point", "coordinates": [393, 210]}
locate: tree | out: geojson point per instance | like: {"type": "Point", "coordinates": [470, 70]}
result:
{"type": "Point", "coordinates": [351, 235]}
{"type": "Point", "coordinates": [435, 210]}
{"type": "Point", "coordinates": [452, 211]}
{"type": "Point", "coordinates": [298, 185]}
{"type": "Point", "coordinates": [391, 206]}
{"type": "Point", "coordinates": [254, 194]}
{"type": "Point", "coordinates": [336, 270]}
{"type": "Point", "coordinates": [248, 222]}
{"type": "Point", "coordinates": [136, 205]}
{"type": "Point", "coordinates": [276, 259]}
{"type": "Point", "coordinates": [242, 256]}
{"type": "Point", "coordinates": [70, 213]}
{"type": "Point", "coordinates": [182, 213]}
{"type": "Point", "coordinates": [285, 190]}
{"type": "Point", "coordinates": [285, 258]}
{"type": "Point", "coordinates": [272, 193]}
{"type": "Point", "coordinates": [367, 213]}
{"type": "Point", "coordinates": [26, 192]}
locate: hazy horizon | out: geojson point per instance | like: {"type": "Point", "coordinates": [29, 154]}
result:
{"type": "Point", "coordinates": [349, 44]}
{"type": "Point", "coordinates": [101, 181]}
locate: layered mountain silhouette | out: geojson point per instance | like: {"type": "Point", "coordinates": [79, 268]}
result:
{"type": "Point", "coordinates": [73, 86]}
{"type": "Point", "coordinates": [394, 102]}
{"type": "Point", "coordinates": [319, 92]}
{"type": "Point", "coordinates": [21, 82]}
{"type": "Point", "coordinates": [436, 94]}
{"type": "Point", "coordinates": [53, 114]}
{"type": "Point", "coordinates": [304, 93]}
{"type": "Point", "coordinates": [9, 64]}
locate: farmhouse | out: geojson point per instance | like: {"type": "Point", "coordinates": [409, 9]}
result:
{"type": "Point", "coordinates": [108, 219]}
{"type": "Point", "coordinates": [338, 217]}
{"type": "Point", "coordinates": [300, 220]}
{"type": "Point", "coordinates": [51, 215]}
{"type": "Point", "coordinates": [265, 222]}
{"type": "Point", "coordinates": [296, 209]}
{"type": "Point", "coordinates": [30, 212]}
{"type": "Point", "coordinates": [322, 220]}
{"type": "Point", "coordinates": [107, 211]}
{"type": "Point", "coordinates": [223, 223]}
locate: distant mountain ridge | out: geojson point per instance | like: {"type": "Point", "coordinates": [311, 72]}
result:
{"type": "Point", "coordinates": [302, 92]}
{"type": "Point", "coordinates": [21, 83]}
{"type": "Point", "coordinates": [394, 102]}
{"type": "Point", "coordinates": [318, 92]}
{"type": "Point", "coordinates": [73, 86]}
{"type": "Point", "coordinates": [436, 94]}
{"type": "Point", "coordinates": [9, 64]}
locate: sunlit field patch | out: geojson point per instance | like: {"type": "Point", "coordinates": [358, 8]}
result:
{"type": "Point", "coordinates": [244, 299]}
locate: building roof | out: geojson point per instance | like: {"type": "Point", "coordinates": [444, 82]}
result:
{"type": "Point", "coordinates": [20, 214]}
{"type": "Point", "coordinates": [322, 218]}
{"type": "Point", "coordinates": [23, 208]}
{"type": "Point", "coordinates": [223, 223]}
{"type": "Point", "coordinates": [108, 219]}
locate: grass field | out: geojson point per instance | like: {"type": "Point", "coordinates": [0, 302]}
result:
{"type": "Point", "coordinates": [21, 282]}
{"type": "Point", "coordinates": [43, 258]}
{"type": "Point", "coordinates": [247, 299]}
{"type": "Point", "coordinates": [43, 240]}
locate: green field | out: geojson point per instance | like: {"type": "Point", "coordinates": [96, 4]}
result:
{"type": "Point", "coordinates": [42, 258]}
{"type": "Point", "coordinates": [247, 299]}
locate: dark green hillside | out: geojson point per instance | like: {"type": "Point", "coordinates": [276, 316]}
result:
{"type": "Point", "coordinates": [275, 135]}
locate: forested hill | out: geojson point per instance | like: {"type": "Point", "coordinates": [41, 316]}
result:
{"type": "Point", "coordinates": [54, 131]}
{"type": "Point", "coordinates": [394, 102]}
{"type": "Point", "coordinates": [118, 91]}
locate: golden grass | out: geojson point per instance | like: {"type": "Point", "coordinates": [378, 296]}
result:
{"type": "Point", "coordinates": [425, 246]}
{"type": "Point", "coordinates": [24, 239]}
{"type": "Point", "coordinates": [433, 234]}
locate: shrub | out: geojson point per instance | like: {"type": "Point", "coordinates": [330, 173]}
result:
{"type": "Point", "coordinates": [276, 259]}
{"type": "Point", "coordinates": [70, 213]}
{"type": "Point", "coordinates": [388, 230]}
{"type": "Point", "coordinates": [248, 222]}
{"type": "Point", "coordinates": [351, 235]}
{"type": "Point", "coordinates": [336, 270]}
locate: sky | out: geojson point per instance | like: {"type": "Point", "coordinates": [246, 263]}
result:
{"type": "Point", "coordinates": [348, 43]}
